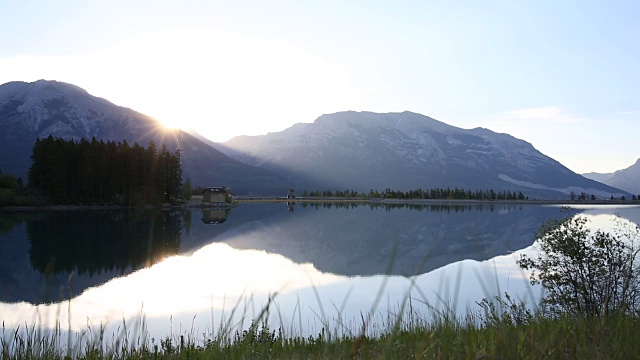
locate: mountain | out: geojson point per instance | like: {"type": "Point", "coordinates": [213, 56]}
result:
{"type": "Point", "coordinates": [599, 177]}
{"type": "Point", "coordinates": [364, 150]}
{"type": "Point", "coordinates": [347, 150]}
{"type": "Point", "coordinates": [43, 108]}
{"type": "Point", "coordinates": [626, 179]}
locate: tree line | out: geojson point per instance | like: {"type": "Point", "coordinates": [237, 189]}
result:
{"type": "Point", "coordinates": [456, 208]}
{"type": "Point", "coordinates": [71, 171]}
{"type": "Point", "coordinates": [584, 197]}
{"type": "Point", "coordinates": [433, 193]}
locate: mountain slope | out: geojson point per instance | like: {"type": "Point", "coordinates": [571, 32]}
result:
{"type": "Point", "coordinates": [364, 150]}
{"type": "Point", "coordinates": [626, 179]}
{"type": "Point", "coordinates": [43, 108]}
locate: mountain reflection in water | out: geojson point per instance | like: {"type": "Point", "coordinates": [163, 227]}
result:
{"type": "Point", "coordinates": [70, 251]}
{"type": "Point", "coordinates": [320, 261]}
{"type": "Point", "coordinates": [370, 239]}
{"type": "Point", "coordinates": [218, 284]}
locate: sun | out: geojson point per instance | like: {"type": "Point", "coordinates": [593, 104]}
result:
{"type": "Point", "coordinates": [220, 84]}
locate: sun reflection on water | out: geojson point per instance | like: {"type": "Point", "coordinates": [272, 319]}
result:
{"type": "Point", "coordinates": [218, 278]}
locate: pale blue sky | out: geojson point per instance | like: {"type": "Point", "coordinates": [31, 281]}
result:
{"type": "Point", "coordinates": [563, 75]}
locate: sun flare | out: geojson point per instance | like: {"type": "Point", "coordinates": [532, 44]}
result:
{"type": "Point", "coordinates": [223, 84]}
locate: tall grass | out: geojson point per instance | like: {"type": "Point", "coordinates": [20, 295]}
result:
{"type": "Point", "coordinates": [500, 329]}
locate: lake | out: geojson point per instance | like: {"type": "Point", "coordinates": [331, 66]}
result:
{"type": "Point", "coordinates": [309, 265]}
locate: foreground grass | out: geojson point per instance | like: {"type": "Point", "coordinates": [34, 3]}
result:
{"type": "Point", "coordinates": [444, 337]}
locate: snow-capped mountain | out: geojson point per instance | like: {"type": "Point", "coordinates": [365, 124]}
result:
{"type": "Point", "coordinates": [626, 179]}
{"type": "Point", "coordinates": [43, 108]}
{"type": "Point", "coordinates": [364, 150]}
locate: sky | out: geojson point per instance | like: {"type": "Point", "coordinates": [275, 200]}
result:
{"type": "Point", "coordinates": [562, 75]}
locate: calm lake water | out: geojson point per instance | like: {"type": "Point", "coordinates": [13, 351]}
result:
{"type": "Point", "coordinates": [192, 271]}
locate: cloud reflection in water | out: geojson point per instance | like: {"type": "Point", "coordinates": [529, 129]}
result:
{"type": "Point", "coordinates": [218, 278]}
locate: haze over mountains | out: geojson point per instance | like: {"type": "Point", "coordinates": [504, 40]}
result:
{"type": "Point", "coordinates": [347, 150]}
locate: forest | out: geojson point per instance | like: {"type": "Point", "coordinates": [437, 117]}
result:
{"type": "Point", "coordinates": [433, 193]}
{"type": "Point", "coordinates": [98, 172]}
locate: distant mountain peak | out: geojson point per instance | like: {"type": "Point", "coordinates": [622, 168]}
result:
{"type": "Point", "coordinates": [627, 179]}
{"type": "Point", "coordinates": [406, 150]}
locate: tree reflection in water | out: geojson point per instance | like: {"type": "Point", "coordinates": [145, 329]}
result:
{"type": "Point", "coordinates": [92, 242]}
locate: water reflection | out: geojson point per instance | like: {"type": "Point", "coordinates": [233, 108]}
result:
{"type": "Point", "coordinates": [214, 216]}
{"type": "Point", "coordinates": [219, 284]}
{"type": "Point", "coordinates": [323, 263]}
{"type": "Point", "coordinates": [63, 253]}
{"type": "Point", "coordinates": [399, 239]}
{"type": "Point", "coordinates": [94, 242]}
{"type": "Point", "coordinates": [69, 251]}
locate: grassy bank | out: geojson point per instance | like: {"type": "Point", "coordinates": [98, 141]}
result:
{"type": "Point", "coordinates": [504, 335]}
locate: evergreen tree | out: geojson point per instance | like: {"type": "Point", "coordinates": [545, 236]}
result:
{"type": "Point", "coordinates": [68, 171]}
{"type": "Point", "coordinates": [186, 189]}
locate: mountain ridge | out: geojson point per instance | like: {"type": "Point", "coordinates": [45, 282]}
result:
{"type": "Point", "coordinates": [43, 108]}
{"type": "Point", "coordinates": [627, 179]}
{"type": "Point", "coordinates": [344, 150]}
{"type": "Point", "coordinates": [406, 150]}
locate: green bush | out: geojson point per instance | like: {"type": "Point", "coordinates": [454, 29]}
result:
{"type": "Point", "coordinates": [586, 273]}
{"type": "Point", "coordinates": [9, 182]}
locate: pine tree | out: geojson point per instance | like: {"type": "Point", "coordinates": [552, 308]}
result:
{"type": "Point", "coordinates": [186, 189]}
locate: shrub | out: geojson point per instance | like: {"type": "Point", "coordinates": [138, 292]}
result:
{"type": "Point", "coordinates": [10, 182]}
{"type": "Point", "coordinates": [586, 273]}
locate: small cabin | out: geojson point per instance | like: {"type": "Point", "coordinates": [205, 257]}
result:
{"type": "Point", "coordinates": [214, 195]}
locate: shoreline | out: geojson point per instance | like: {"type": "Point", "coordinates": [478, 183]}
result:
{"type": "Point", "coordinates": [257, 199]}
{"type": "Point", "coordinates": [278, 199]}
